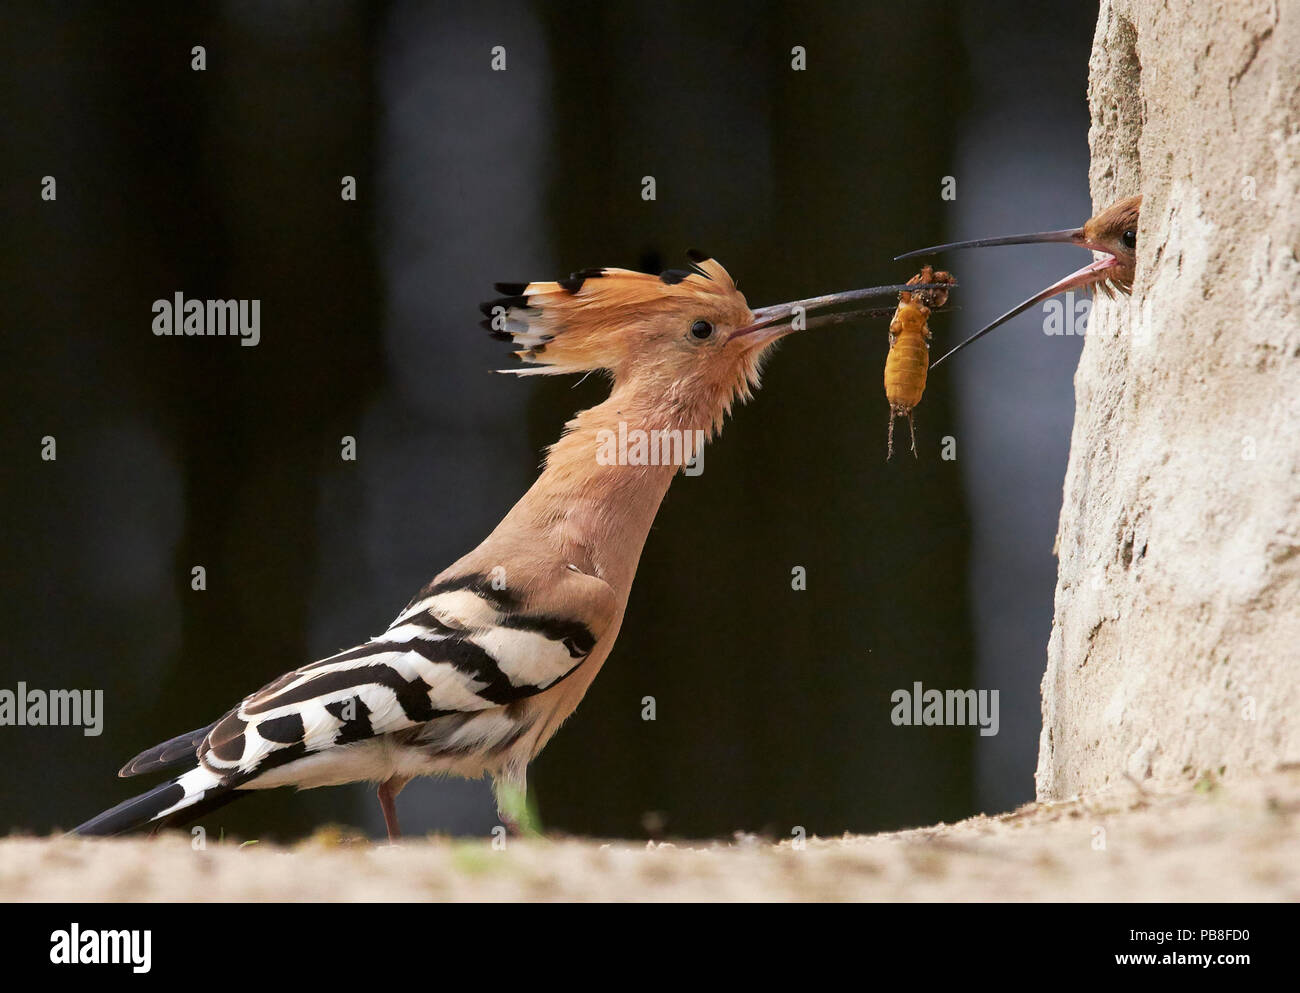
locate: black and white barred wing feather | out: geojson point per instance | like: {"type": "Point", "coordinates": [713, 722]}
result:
{"type": "Point", "coordinates": [430, 694]}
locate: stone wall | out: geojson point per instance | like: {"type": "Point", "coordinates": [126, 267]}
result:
{"type": "Point", "coordinates": [1175, 650]}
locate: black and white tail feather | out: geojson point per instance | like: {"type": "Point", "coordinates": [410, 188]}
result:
{"type": "Point", "coordinates": [433, 693]}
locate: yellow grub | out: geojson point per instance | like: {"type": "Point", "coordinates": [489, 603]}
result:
{"type": "Point", "coordinates": [909, 349]}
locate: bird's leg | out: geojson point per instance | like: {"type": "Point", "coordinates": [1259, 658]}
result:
{"type": "Point", "coordinates": [912, 427]}
{"type": "Point", "coordinates": [890, 454]}
{"type": "Point", "coordinates": [388, 791]}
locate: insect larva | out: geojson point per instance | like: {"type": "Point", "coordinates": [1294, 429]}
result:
{"type": "Point", "coordinates": [909, 349]}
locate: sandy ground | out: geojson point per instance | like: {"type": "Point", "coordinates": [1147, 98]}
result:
{"type": "Point", "coordinates": [1238, 840]}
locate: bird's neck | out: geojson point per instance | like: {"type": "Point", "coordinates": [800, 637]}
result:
{"type": "Point", "coordinates": [595, 501]}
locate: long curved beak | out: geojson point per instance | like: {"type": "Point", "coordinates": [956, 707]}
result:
{"type": "Point", "coordinates": [780, 319]}
{"type": "Point", "coordinates": [1073, 236]}
{"type": "Point", "coordinates": [1089, 274]}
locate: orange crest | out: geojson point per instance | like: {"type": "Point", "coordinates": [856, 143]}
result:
{"type": "Point", "coordinates": [608, 318]}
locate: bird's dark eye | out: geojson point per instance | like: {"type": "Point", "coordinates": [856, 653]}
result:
{"type": "Point", "coordinates": [701, 330]}
{"type": "Point", "coordinates": [1130, 239]}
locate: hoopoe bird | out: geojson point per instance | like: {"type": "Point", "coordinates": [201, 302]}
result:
{"type": "Point", "coordinates": [483, 665]}
{"type": "Point", "coordinates": [1111, 233]}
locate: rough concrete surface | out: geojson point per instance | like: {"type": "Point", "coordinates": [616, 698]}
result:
{"type": "Point", "coordinates": [1210, 841]}
{"type": "Point", "coordinates": [1176, 643]}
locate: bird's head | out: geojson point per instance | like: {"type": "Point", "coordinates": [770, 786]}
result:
{"type": "Point", "coordinates": [686, 339]}
{"type": "Point", "coordinates": [1112, 233]}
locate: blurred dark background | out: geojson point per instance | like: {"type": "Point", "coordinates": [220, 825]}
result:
{"type": "Point", "coordinates": [772, 704]}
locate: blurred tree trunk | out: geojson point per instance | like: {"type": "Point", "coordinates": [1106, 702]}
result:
{"type": "Point", "coordinates": [1177, 633]}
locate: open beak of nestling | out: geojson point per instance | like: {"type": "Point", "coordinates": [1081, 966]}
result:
{"type": "Point", "coordinates": [1112, 234]}
{"type": "Point", "coordinates": [778, 320]}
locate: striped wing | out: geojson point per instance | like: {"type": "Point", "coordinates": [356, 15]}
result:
{"type": "Point", "coordinates": [459, 648]}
